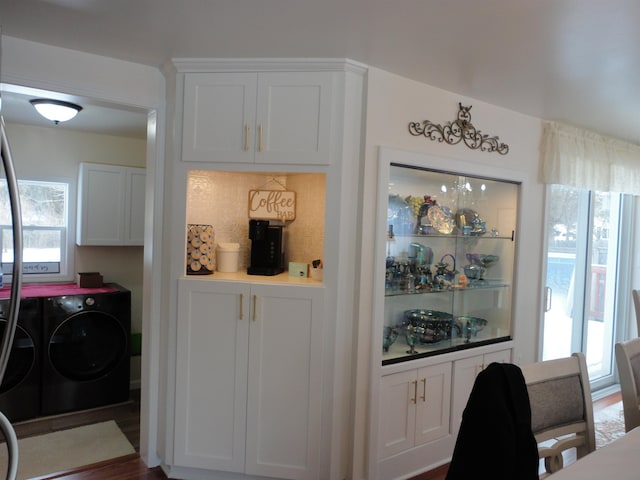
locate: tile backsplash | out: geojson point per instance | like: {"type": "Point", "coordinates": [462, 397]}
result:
{"type": "Point", "coordinates": [220, 199]}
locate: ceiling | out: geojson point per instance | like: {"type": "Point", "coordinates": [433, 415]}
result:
{"type": "Point", "coordinates": [575, 61]}
{"type": "Point", "coordinates": [94, 117]}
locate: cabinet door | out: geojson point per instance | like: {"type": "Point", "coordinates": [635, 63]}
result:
{"type": "Point", "coordinates": [101, 200]}
{"type": "Point", "coordinates": [433, 403]}
{"type": "Point", "coordinates": [285, 381]}
{"type": "Point", "coordinates": [464, 376]}
{"type": "Point", "coordinates": [501, 356]}
{"type": "Point", "coordinates": [397, 422]}
{"type": "Point", "coordinates": [211, 367]}
{"type": "Point", "coordinates": [134, 206]}
{"type": "Point", "coordinates": [294, 118]}
{"type": "Point", "coordinates": [219, 117]}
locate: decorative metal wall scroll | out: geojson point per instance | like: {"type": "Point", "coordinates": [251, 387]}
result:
{"type": "Point", "coordinates": [459, 130]}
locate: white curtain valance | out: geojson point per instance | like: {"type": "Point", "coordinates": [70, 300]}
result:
{"type": "Point", "coordinates": [586, 160]}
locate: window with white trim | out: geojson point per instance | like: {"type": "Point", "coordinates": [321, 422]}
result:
{"type": "Point", "coordinates": [45, 222]}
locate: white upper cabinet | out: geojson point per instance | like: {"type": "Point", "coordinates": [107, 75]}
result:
{"type": "Point", "coordinates": [135, 179]}
{"type": "Point", "coordinates": [110, 205]}
{"type": "Point", "coordinates": [268, 117]}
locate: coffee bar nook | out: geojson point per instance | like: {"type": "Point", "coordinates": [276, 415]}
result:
{"type": "Point", "coordinates": [266, 219]}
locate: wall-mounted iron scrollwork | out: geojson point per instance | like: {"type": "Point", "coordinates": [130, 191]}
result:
{"type": "Point", "coordinates": [459, 130]}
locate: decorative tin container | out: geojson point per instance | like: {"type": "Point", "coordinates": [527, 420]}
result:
{"type": "Point", "coordinates": [200, 250]}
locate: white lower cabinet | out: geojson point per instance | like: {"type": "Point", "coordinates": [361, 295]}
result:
{"type": "Point", "coordinates": [465, 372]}
{"type": "Point", "coordinates": [415, 406]}
{"type": "Point", "coordinates": [420, 410]}
{"type": "Point", "coordinates": [249, 378]}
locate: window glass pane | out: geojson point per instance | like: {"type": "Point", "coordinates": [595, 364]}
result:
{"type": "Point", "coordinates": [562, 222]}
{"type": "Point", "coordinates": [43, 203]}
{"type": "Point", "coordinates": [582, 266]}
{"type": "Point", "coordinates": [44, 218]}
{"type": "Point", "coordinates": [601, 284]}
{"type": "Point", "coordinates": [42, 245]}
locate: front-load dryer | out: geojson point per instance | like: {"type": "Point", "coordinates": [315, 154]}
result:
{"type": "Point", "coordinates": [86, 357]}
{"type": "Point", "coordinates": [20, 389]}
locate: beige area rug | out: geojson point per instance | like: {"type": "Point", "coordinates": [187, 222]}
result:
{"type": "Point", "coordinates": [67, 449]}
{"type": "Point", "coordinates": [609, 424]}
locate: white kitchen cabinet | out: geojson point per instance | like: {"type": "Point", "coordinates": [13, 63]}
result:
{"type": "Point", "coordinates": [446, 252]}
{"type": "Point", "coordinates": [465, 372]}
{"type": "Point", "coordinates": [415, 408]}
{"type": "Point", "coordinates": [135, 180]}
{"type": "Point", "coordinates": [110, 205]}
{"type": "Point", "coordinates": [267, 117]}
{"type": "Point", "coordinates": [249, 377]}
{"type": "Point", "coordinates": [420, 406]}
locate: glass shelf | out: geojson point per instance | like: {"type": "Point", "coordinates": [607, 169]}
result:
{"type": "Point", "coordinates": [480, 285]}
{"type": "Point", "coordinates": [455, 235]}
{"type": "Point", "coordinates": [450, 250]}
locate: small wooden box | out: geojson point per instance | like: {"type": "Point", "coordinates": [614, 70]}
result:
{"type": "Point", "coordinates": [89, 280]}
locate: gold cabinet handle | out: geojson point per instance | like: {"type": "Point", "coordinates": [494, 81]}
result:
{"type": "Point", "coordinates": [424, 390]}
{"type": "Point", "coordinates": [255, 314]}
{"type": "Point", "coordinates": [415, 391]}
{"type": "Point", "coordinates": [241, 306]}
{"type": "Point", "coordinates": [246, 138]}
{"type": "Point", "coordinates": [260, 137]}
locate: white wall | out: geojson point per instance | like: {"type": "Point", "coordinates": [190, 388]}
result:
{"type": "Point", "coordinates": [36, 65]}
{"type": "Point", "coordinates": [393, 102]}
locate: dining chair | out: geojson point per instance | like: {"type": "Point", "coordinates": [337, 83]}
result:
{"type": "Point", "coordinates": [636, 303]}
{"type": "Point", "coordinates": [628, 362]}
{"type": "Point", "coordinates": [561, 408]}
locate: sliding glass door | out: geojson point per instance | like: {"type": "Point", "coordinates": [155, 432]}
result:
{"type": "Point", "coordinates": [584, 246]}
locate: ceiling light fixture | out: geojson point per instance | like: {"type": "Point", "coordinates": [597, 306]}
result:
{"type": "Point", "coordinates": [55, 110]}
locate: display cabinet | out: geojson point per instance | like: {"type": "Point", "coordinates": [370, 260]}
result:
{"type": "Point", "coordinates": [450, 240]}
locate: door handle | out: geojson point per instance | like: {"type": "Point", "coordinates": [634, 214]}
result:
{"type": "Point", "coordinates": [246, 138]}
{"type": "Point", "coordinates": [415, 392]}
{"type": "Point", "coordinates": [260, 145]}
{"type": "Point", "coordinates": [241, 306]}
{"type": "Point", "coordinates": [424, 390]}
{"type": "Point", "coordinates": [255, 314]}
{"type": "Point", "coordinates": [548, 294]}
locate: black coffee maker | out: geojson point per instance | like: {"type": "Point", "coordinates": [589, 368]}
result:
{"type": "Point", "coordinates": [267, 248]}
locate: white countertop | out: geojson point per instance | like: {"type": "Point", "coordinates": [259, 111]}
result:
{"type": "Point", "coordinates": [619, 460]}
{"type": "Point", "coordinates": [242, 276]}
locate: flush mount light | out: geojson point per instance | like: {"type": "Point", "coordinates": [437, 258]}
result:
{"type": "Point", "coordinates": [55, 110]}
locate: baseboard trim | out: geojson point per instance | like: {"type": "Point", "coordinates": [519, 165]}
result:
{"type": "Point", "coordinates": [605, 392]}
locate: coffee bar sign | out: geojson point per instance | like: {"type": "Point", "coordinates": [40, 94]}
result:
{"type": "Point", "coordinates": [272, 205]}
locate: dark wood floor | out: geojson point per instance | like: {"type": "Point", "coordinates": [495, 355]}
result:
{"type": "Point", "coordinates": [130, 467]}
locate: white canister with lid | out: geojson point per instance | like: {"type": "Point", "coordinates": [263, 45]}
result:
{"type": "Point", "coordinates": [227, 257]}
